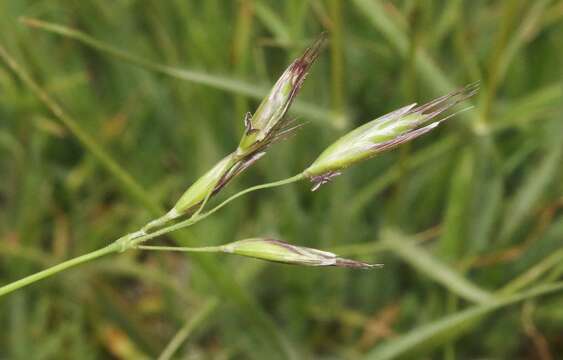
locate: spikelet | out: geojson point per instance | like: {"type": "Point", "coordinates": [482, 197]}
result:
{"type": "Point", "coordinates": [268, 125]}
{"type": "Point", "coordinates": [383, 133]}
{"type": "Point", "coordinates": [269, 122]}
{"type": "Point", "coordinates": [283, 252]}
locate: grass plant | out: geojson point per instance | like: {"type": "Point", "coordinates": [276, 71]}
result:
{"type": "Point", "coordinates": [106, 114]}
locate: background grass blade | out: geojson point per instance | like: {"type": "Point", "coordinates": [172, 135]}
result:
{"type": "Point", "coordinates": [129, 184]}
{"type": "Point", "coordinates": [219, 82]}
{"type": "Point", "coordinates": [454, 325]}
{"type": "Point", "coordinates": [186, 330]}
{"type": "Point", "coordinates": [436, 270]}
{"type": "Point", "coordinates": [528, 195]}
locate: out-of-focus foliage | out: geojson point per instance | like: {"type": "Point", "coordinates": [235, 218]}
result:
{"type": "Point", "coordinates": [467, 220]}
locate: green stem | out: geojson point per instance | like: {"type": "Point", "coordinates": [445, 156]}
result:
{"type": "Point", "coordinates": [194, 219]}
{"type": "Point", "coordinates": [58, 268]}
{"type": "Point", "coordinates": [181, 248]}
{"type": "Point", "coordinates": [132, 240]}
{"type": "Point", "coordinates": [287, 181]}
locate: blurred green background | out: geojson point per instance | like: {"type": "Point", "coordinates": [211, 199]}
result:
{"type": "Point", "coordinates": [468, 220]}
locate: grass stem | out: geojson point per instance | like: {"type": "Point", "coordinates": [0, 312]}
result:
{"type": "Point", "coordinates": [133, 240]}
{"type": "Point", "coordinates": [28, 280]}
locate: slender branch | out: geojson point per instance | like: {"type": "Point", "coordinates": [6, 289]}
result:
{"type": "Point", "coordinates": [287, 181]}
{"type": "Point", "coordinates": [181, 248]}
{"type": "Point", "coordinates": [133, 242]}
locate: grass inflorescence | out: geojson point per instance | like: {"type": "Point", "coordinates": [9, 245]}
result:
{"type": "Point", "coordinates": [108, 117]}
